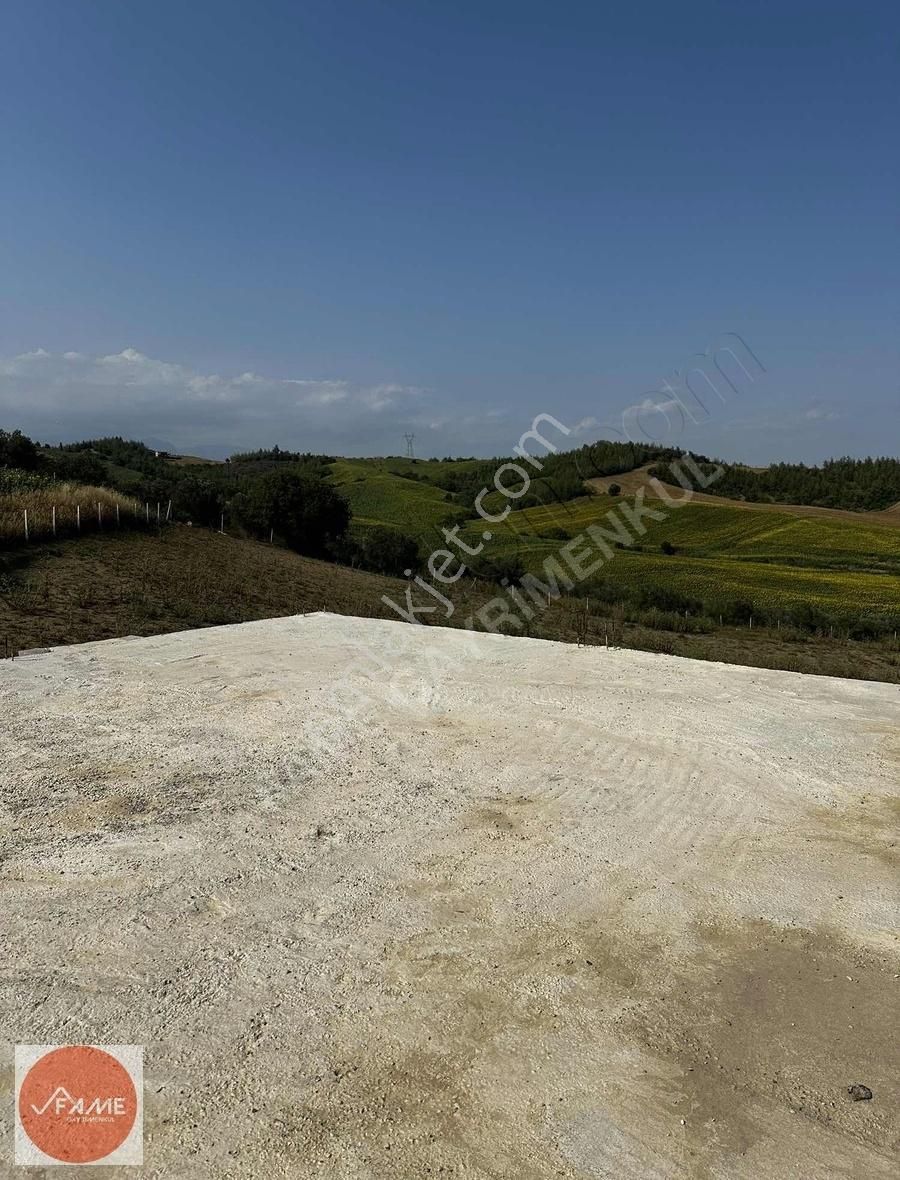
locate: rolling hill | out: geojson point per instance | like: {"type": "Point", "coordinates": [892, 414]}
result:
{"type": "Point", "coordinates": [694, 582]}
{"type": "Point", "coordinates": [630, 481]}
{"type": "Point", "coordinates": [380, 493]}
{"type": "Point", "coordinates": [179, 578]}
{"type": "Point", "coordinates": [777, 557]}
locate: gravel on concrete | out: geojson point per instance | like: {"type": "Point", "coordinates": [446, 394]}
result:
{"type": "Point", "coordinates": [384, 901]}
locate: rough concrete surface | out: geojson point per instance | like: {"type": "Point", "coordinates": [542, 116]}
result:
{"type": "Point", "coordinates": [384, 901]}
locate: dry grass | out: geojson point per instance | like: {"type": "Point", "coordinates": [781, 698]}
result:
{"type": "Point", "coordinates": [132, 583]}
{"type": "Point", "coordinates": [67, 499]}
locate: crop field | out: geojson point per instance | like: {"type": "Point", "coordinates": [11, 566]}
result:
{"type": "Point", "coordinates": [740, 533]}
{"type": "Point", "coordinates": [829, 575]}
{"type": "Point", "coordinates": [767, 586]}
{"type": "Point", "coordinates": [428, 470]}
{"type": "Point", "coordinates": [773, 560]}
{"type": "Point", "coordinates": [724, 554]}
{"type": "Point", "coordinates": [377, 496]}
{"type": "Point", "coordinates": [708, 530]}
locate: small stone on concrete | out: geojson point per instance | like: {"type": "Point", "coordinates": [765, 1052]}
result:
{"type": "Point", "coordinates": [859, 1092]}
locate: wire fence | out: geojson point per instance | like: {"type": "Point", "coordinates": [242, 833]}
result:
{"type": "Point", "coordinates": [36, 517]}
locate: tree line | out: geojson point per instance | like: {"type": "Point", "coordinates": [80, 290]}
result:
{"type": "Point", "coordinates": [271, 494]}
{"type": "Point", "coordinates": [561, 476]}
{"type": "Point", "coordinates": [859, 485]}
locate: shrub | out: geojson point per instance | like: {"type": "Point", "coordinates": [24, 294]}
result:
{"type": "Point", "coordinates": [809, 617]}
{"type": "Point", "coordinates": [498, 569]}
{"type": "Point", "coordinates": [14, 480]}
{"type": "Point", "coordinates": [307, 513]}
{"type": "Point", "coordinates": [738, 610]}
{"type": "Point", "coordinates": [198, 500]}
{"type": "Point", "coordinates": [388, 551]}
{"type": "Point", "coordinates": [76, 467]}
{"type": "Point", "coordinates": [17, 450]}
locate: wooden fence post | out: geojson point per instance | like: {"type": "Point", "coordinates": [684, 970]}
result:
{"type": "Point", "coordinates": [169, 511]}
{"type": "Point", "coordinates": [54, 520]}
{"type": "Point", "coordinates": [99, 515]}
{"type": "Point", "coordinates": [118, 516]}
{"type": "Point", "coordinates": [26, 524]}
{"type": "Point", "coordinates": [78, 516]}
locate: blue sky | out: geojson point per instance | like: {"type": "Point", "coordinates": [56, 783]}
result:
{"type": "Point", "coordinates": [325, 224]}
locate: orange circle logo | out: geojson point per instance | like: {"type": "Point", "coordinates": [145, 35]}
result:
{"type": "Point", "coordinates": [77, 1104]}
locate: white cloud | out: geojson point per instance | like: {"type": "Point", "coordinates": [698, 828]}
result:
{"type": "Point", "coordinates": [586, 426]}
{"type": "Point", "coordinates": [821, 414]}
{"type": "Point", "coordinates": [72, 395]}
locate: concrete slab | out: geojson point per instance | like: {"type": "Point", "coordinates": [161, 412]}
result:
{"type": "Point", "coordinates": [386, 901]}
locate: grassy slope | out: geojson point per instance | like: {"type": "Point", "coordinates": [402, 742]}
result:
{"type": "Point", "coordinates": [67, 499]}
{"type": "Point", "coordinates": [710, 530]}
{"type": "Point", "coordinates": [379, 496]}
{"type": "Point", "coordinates": [774, 557]}
{"type": "Point", "coordinates": [145, 584]}
{"type": "Point", "coordinates": [728, 552]}
{"type": "Point", "coordinates": [722, 580]}
{"type": "Point", "coordinates": [630, 481]}
{"type": "Point", "coordinates": [431, 470]}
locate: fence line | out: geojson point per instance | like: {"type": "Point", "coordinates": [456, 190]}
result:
{"type": "Point", "coordinates": [55, 524]}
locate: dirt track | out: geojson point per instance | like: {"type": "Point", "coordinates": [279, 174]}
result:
{"type": "Point", "coordinates": [633, 481]}
{"type": "Point", "coordinates": [502, 908]}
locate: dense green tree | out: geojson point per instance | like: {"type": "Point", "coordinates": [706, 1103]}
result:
{"type": "Point", "coordinates": [388, 551]}
{"type": "Point", "coordinates": [560, 476]}
{"type": "Point", "coordinates": [305, 512]}
{"type": "Point", "coordinates": [507, 568]}
{"type": "Point", "coordinates": [854, 484]}
{"type": "Point", "coordinates": [198, 500]}
{"type": "Point", "coordinates": [122, 453]}
{"type": "Point", "coordinates": [76, 467]}
{"type": "Point", "coordinates": [17, 450]}
{"type": "Point", "coordinates": [275, 459]}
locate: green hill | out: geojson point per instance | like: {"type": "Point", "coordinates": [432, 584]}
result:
{"type": "Point", "coordinates": [691, 582]}
{"type": "Point", "coordinates": [379, 493]}
{"type": "Point", "coordinates": [776, 560]}
{"type": "Point", "coordinates": [134, 583]}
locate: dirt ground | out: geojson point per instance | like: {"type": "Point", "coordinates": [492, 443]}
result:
{"type": "Point", "coordinates": [385, 902]}
{"type": "Point", "coordinates": [632, 481]}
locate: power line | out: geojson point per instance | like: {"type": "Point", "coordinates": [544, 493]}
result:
{"type": "Point", "coordinates": [410, 452]}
